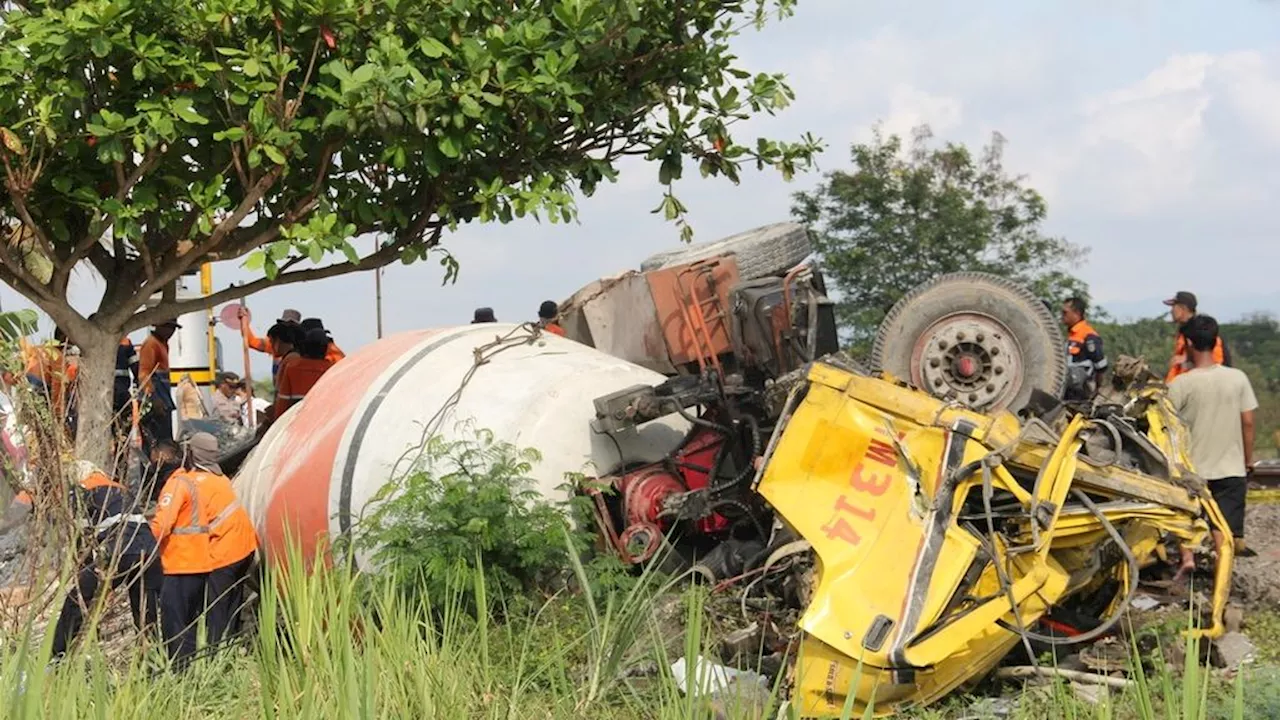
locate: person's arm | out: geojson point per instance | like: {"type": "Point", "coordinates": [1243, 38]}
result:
{"type": "Point", "coordinates": [1246, 431]}
{"type": "Point", "coordinates": [1095, 355]}
{"type": "Point", "coordinates": [172, 497]}
{"type": "Point", "coordinates": [284, 387]}
{"type": "Point", "coordinates": [1248, 403]}
{"type": "Point", "coordinates": [147, 361]}
{"type": "Point", "coordinates": [262, 345]}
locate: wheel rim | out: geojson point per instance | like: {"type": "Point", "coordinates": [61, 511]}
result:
{"type": "Point", "coordinates": [971, 358]}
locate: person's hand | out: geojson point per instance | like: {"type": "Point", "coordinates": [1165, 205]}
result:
{"type": "Point", "coordinates": [241, 312]}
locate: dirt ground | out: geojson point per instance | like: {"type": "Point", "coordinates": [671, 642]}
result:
{"type": "Point", "coordinates": [1256, 582]}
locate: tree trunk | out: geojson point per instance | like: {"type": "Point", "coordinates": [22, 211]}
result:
{"type": "Point", "coordinates": [94, 386]}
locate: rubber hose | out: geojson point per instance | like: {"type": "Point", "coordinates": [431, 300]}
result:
{"type": "Point", "coordinates": [1128, 596]}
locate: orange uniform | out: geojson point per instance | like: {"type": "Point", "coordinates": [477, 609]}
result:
{"type": "Point", "coordinates": [296, 378]}
{"type": "Point", "coordinates": [1220, 356]}
{"type": "Point", "coordinates": [200, 525]}
{"type": "Point", "coordinates": [153, 363]}
{"type": "Point", "coordinates": [1084, 346]}
{"type": "Point", "coordinates": [47, 366]}
{"type": "Point", "coordinates": [263, 345]}
{"type": "Point", "coordinates": [554, 328]}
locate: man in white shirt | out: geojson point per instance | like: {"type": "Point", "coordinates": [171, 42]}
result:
{"type": "Point", "coordinates": [1217, 403]}
{"type": "Point", "coordinates": [229, 398]}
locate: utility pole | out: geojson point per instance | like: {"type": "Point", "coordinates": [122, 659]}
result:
{"type": "Point", "coordinates": [377, 290]}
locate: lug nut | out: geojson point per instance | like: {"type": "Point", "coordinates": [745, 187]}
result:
{"type": "Point", "coordinates": [981, 337]}
{"type": "Point", "coordinates": [991, 387]}
{"type": "Point", "coordinates": [995, 351]}
{"type": "Point", "coordinates": [973, 397]}
{"type": "Point", "coordinates": [960, 336]}
{"type": "Point", "coordinates": [937, 382]}
{"type": "Point", "coordinates": [942, 344]}
{"type": "Point", "coordinates": [999, 370]}
{"type": "Point", "coordinates": [934, 362]}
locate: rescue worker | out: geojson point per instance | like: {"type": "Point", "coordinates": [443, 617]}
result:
{"type": "Point", "coordinates": [547, 314]}
{"type": "Point", "coordinates": [266, 345]}
{"type": "Point", "coordinates": [1182, 308]}
{"type": "Point", "coordinates": [154, 382]}
{"type": "Point", "coordinates": [207, 546]}
{"type": "Point", "coordinates": [1086, 361]}
{"type": "Point", "coordinates": [122, 387]}
{"type": "Point", "coordinates": [332, 353]}
{"type": "Point", "coordinates": [300, 372]}
{"type": "Point", "coordinates": [53, 377]}
{"type": "Point", "coordinates": [120, 551]}
{"type": "Point", "coordinates": [483, 315]}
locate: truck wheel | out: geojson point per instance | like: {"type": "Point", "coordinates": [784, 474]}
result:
{"type": "Point", "coordinates": [975, 338]}
{"type": "Point", "coordinates": [762, 252]}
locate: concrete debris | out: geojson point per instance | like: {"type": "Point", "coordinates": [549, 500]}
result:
{"type": "Point", "coordinates": [1092, 694]}
{"type": "Point", "coordinates": [1233, 650]}
{"type": "Point", "coordinates": [710, 678]}
{"type": "Point", "coordinates": [1145, 602]}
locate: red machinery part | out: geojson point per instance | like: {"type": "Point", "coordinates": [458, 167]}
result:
{"type": "Point", "coordinates": [644, 490]}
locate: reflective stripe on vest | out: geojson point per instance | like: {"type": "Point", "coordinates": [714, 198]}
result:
{"type": "Point", "coordinates": [112, 521]}
{"type": "Point", "coordinates": [195, 528]}
{"type": "Point", "coordinates": [122, 373]}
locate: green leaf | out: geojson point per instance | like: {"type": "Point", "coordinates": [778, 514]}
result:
{"type": "Point", "coordinates": [364, 73]}
{"type": "Point", "coordinates": [274, 153]}
{"type": "Point", "coordinates": [183, 108]}
{"type": "Point", "coordinates": [470, 107]}
{"type": "Point", "coordinates": [232, 134]}
{"type": "Point", "coordinates": [254, 261]}
{"type": "Point", "coordinates": [433, 48]}
{"type": "Point", "coordinates": [251, 67]}
{"type": "Point", "coordinates": [448, 147]}
{"type": "Point", "coordinates": [18, 324]}
{"type": "Point", "coordinates": [335, 117]}
{"type": "Point", "coordinates": [100, 46]}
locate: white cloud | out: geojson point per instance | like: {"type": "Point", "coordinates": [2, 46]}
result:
{"type": "Point", "coordinates": [910, 107]}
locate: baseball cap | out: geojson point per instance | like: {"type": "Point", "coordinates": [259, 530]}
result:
{"type": "Point", "coordinates": [203, 446]}
{"type": "Point", "coordinates": [548, 310]}
{"type": "Point", "coordinates": [484, 315]}
{"type": "Point", "coordinates": [1183, 298]}
{"type": "Point", "coordinates": [169, 323]}
{"type": "Point", "coordinates": [291, 316]}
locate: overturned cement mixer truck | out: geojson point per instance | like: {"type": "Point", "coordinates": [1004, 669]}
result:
{"type": "Point", "coordinates": [926, 515]}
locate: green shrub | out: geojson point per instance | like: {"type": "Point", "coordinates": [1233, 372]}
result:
{"type": "Point", "coordinates": [469, 506]}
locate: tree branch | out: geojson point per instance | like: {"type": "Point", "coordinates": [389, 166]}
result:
{"type": "Point", "coordinates": [181, 263]}
{"type": "Point", "coordinates": [378, 259]}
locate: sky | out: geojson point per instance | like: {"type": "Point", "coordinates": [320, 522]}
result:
{"type": "Point", "coordinates": [1151, 127]}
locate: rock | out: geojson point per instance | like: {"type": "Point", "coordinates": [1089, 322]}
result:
{"type": "Point", "coordinates": [1092, 694]}
{"type": "Point", "coordinates": [744, 643]}
{"type": "Point", "coordinates": [996, 707]}
{"type": "Point", "coordinates": [1232, 650]}
{"type": "Point", "coordinates": [745, 698]}
{"type": "Point", "coordinates": [1233, 618]}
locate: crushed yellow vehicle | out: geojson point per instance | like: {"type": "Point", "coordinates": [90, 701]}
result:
{"type": "Point", "coordinates": [943, 535]}
{"type": "Point", "coordinates": [971, 491]}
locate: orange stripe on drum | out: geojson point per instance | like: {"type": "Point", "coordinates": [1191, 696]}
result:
{"type": "Point", "coordinates": [300, 453]}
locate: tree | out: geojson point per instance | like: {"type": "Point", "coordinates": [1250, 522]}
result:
{"type": "Point", "coordinates": [897, 220]}
{"type": "Point", "coordinates": [144, 137]}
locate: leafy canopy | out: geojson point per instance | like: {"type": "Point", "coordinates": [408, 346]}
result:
{"type": "Point", "coordinates": [898, 219]}
{"type": "Point", "coordinates": [148, 136]}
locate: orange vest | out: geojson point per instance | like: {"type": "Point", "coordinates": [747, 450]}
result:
{"type": "Point", "coordinates": [1180, 348]}
{"type": "Point", "coordinates": [199, 524]}
{"type": "Point", "coordinates": [48, 364]}
{"type": "Point", "coordinates": [554, 328]}
{"type": "Point", "coordinates": [297, 376]}
{"type": "Point", "coordinates": [333, 354]}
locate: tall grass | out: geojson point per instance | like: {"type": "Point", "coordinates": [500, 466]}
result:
{"type": "Point", "coordinates": [335, 644]}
